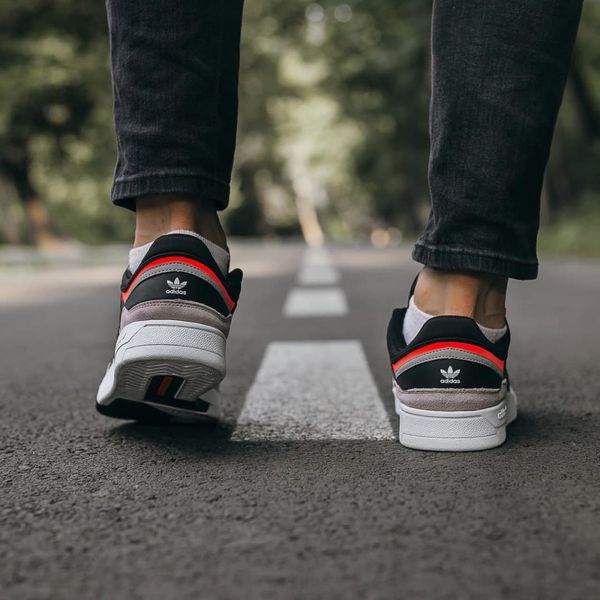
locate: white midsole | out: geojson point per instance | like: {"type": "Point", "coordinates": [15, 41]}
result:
{"type": "Point", "coordinates": [460, 430]}
{"type": "Point", "coordinates": [144, 349]}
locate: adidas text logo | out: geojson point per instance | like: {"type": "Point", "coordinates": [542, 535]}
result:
{"type": "Point", "coordinates": [176, 287]}
{"type": "Point", "coordinates": [450, 375]}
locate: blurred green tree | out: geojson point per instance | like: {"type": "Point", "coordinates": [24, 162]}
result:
{"type": "Point", "coordinates": [333, 127]}
{"type": "Point", "coordinates": [55, 113]}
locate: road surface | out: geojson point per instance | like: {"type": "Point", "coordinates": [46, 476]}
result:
{"type": "Point", "coordinates": [303, 492]}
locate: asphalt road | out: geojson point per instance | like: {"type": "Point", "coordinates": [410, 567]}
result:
{"type": "Point", "coordinates": [309, 495]}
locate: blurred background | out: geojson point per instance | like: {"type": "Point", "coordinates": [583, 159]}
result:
{"type": "Point", "coordinates": [333, 131]}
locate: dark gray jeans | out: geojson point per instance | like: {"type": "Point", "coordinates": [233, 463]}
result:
{"type": "Point", "coordinates": [499, 71]}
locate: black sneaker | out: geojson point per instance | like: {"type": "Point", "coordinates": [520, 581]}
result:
{"type": "Point", "coordinates": [451, 387]}
{"type": "Point", "coordinates": [169, 358]}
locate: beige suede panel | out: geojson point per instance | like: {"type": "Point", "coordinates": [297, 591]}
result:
{"type": "Point", "coordinates": [451, 400]}
{"type": "Point", "coordinates": [176, 310]}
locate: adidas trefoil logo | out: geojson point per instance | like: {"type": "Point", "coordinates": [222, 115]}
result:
{"type": "Point", "coordinates": [450, 376]}
{"type": "Point", "coordinates": [176, 287]}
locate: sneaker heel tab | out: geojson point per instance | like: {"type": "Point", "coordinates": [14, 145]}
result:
{"type": "Point", "coordinates": [180, 244]}
{"type": "Point", "coordinates": [183, 241]}
{"type": "Point", "coordinates": [450, 326]}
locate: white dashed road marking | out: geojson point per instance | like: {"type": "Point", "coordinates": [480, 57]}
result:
{"type": "Point", "coordinates": [318, 275]}
{"type": "Point", "coordinates": [317, 268]}
{"type": "Point", "coordinates": [313, 391]}
{"type": "Point", "coordinates": [309, 302]}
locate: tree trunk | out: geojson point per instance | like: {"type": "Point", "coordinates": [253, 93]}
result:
{"type": "Point", "coordinates": [16, 169]}
{"type": "Point", "coordinates": [307, 212]}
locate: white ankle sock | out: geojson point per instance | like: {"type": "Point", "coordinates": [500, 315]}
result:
{"type": "Point", "coordinates": [415, 318]}
{"type": "Point", "coordinates": [220, 255]}
{"type": "Point", "coordinates": [136, 256]}
{"type": "Point", "coordinates": [492, 334]}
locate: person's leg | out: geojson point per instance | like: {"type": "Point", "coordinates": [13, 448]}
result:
{"type": "Point", "coordinates": [158, 214]}
{"type": "Point", "coordinates": [499, 70]}
{"type": "Point", "coordinates": [175, 71]}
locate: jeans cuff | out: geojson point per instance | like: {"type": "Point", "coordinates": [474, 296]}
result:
{"type": "Point", "coordinates": [451, 259]}
{"type": "Point", "coordinates": [124, 192]}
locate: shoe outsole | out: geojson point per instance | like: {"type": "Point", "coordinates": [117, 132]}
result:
{"type": "Point", "coordinates": [151, 413]}
{"type": "Point", "coordinates": [189, 356]}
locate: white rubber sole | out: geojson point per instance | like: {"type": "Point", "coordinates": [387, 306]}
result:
{"type": "Point", "coordinates": [189, 355]}
{"type": "Point", "coordinates": [455, 431]}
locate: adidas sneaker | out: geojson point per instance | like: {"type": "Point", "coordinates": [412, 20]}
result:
{"type": "Point", "coordinates": [451, 386]}
{"type": "Point", "coordinates": [169, 359]}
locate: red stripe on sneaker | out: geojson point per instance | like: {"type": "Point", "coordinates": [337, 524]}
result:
{"type": "Point", "coordinates": [455, 345]}
{"type": "Point", "coordinates": [164, 385]}
{"type": "Point", "coordinates": [188, 261]}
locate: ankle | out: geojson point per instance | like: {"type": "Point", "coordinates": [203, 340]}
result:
{"type": "Point", "coordinates": [160, 213]}
{"type": "Point", "coordinates": [479, 296]}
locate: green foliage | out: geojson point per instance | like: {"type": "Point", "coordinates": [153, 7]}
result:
{"type": "Point", "coordinates": [55, 114]}
{"type": "Point", "coordinates": [575, 233]}
{"type": "Point", "coordinates": [379, 72]}
{"type": "Point", "coordinates": [333, 102]}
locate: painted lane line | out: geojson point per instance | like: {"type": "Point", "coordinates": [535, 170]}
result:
{"type": "Point", "coordinates": [313, 391]}
{"type": "Point", "coordinates": [329, 302]}
{"type": "Point", "coordinates": [316, 257]}
{"type": "Point", "coordinates": [318, 275]}
{"type": "Point", "coordinates": [317, 268]}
